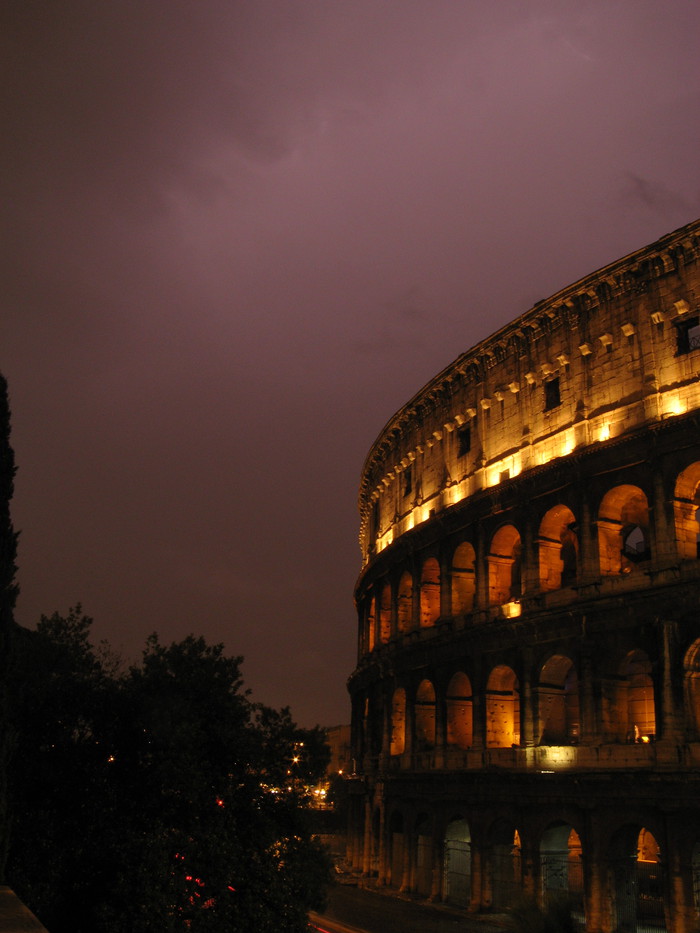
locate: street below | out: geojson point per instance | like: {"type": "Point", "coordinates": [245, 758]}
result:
{"type": "Point", "coordinates": [357, 910]}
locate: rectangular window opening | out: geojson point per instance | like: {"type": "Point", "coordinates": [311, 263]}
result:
{"type": "Point", "coordinates": [552, 396]}
{"type": "Point", "coordinates": [464, 437]}
{"type": "Point", "coordinates": [688, 335]}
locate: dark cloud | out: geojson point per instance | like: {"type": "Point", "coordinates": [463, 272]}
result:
{"type": "Point", "coordinates": [240, 235]}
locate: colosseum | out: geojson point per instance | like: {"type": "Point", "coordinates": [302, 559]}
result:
{"type": "Point", "coordinates": [526, 701]}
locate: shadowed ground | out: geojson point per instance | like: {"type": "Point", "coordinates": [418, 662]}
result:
{"type": "Point", "coordinates": [373, 912]}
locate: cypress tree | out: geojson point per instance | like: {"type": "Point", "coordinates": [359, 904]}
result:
{"type": "Point", "coordinates": [8, 597]}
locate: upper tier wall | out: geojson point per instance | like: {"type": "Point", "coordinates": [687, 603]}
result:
{"type": "Point", "coordinates": [616, 350]}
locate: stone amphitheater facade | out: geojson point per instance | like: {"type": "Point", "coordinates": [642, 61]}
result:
{"type": "Point", "coordinates": [526, 701]}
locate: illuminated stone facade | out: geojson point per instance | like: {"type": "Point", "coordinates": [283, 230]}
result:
{"type": "Point", "coordinates": [526, 703]}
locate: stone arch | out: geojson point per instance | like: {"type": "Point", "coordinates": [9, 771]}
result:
{"type": "Point", "coordinates": [384, 601]}
{"type": "Point", "coordinates": [686, 512]}
{"type": "Point", "coordinates": [404, 603]}
{"type": "Point", "coordinates": [370, 625]}
{"type": "Point", "coordinates": [628, 703]}
{"type": "Point", "coordinates": [623, 530]}
{"type": "Point", "coordinates": [558, 548]}
{"type": "Point", "coordinates": [637, 880]}
{"type": "Point", "coordinates": [502, 708]}
{"type": "Point", "coordinates": [504, 563]}
{"type": "Point", "coordinates": [424, 715]}
{"type": "Point", "coordinates": [561, 868]}
{"type": "Point", "coordinates": [695, 874]}
{"type": "Point", "coordinates": [559, 704]}
{"type": "Point", "coordinates": [457, 860]}
{"type": "Point", "coordinates": [460, 722]}
{"type": "Point", "coordinates": [691, 687]}
{"type": "Point", "coordinates": [463, 579]}
{"type": "Point", "coordinates": [397, 744]}
{"type": "Point", "coordinates": [429, 592]}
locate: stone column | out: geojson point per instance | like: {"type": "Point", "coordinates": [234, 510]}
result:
{"type": "Point", "coordinates": [588, 557]}
{"type": "Point", "coordinates": [662, 530]}
{"type": "Point", "coordinates": [670, 727]}
{"type": "Point", "coordinates": [382, 855]}
{"type": "Point", "coordinates": [590, 732]}
{"type": "Point", "coordinates": [445, 588]}
{"type": "Point", "coordinates": [527, 702]}
{"type": "Point", "coordinates": [476, 878]}
{"type": "Point", "coordinates": [367, 844]}
{"type": "Point", "coordinates": [481, 567]}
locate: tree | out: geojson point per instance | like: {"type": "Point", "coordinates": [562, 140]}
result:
{"type": "Point", "coordinates": [160, 800]}
{"type": "Point", "coordinates": [8, 597]}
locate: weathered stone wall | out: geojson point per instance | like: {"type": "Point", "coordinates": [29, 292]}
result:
{"type": "Point", "coordinates": [526, 703]}
{"type": "Point", "coordinates": [596, 360]}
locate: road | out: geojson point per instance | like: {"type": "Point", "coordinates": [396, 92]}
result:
{"type": "Point", "coordinates": [356, 910]}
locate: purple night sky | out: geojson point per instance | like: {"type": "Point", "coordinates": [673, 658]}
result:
{"type": "Point", "coordinates": [240, 235]}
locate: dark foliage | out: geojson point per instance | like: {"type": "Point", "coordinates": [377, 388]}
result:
{"type": "Point", "coordinates": [152, 800]}
{"type": "Point", "coordinates": [8, 597]}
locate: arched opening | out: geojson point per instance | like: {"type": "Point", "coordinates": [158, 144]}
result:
{"type": "Point", "coordinates": [637, 881]}
{"type": "Point", "coordinates": [691, 678]}
{"type": "Point", "coordinates": [463, 579]}
{"type": "Point", "coordinates": [628, 701]}
{"type": "Point", "coordinates": [502, 708]}
{"type": "Point", "coordinates": [558, 548]}
{"type": "Point", "coordinates": [424, 857]}
{"type": "Point", "coordinates": [398, 722]}
{"type": "Point", "coordinates": [686, 510]}
{"type": "Point", "coordinates": [561, 867]}
{"type": "Point", "coordinates": [505, 576]}
{"type": "Point", "coordinates": [429, 593]}
{"type": "Point", "coordinates": [695, 869]}
{"type": "Point", "coordinates": [459, 711]}
{"type": "Point", "coordinates": [425, 715]}
{"type": "Point", "coordinates": [458, 863]}
{"type": "Point", "coordinates": [404, 608]}
{"type": "Point", "coordinates": [623, 530]}
{"type": "Point", "coordinates": [385, 614]}
{"type": "Point", "coordinates": [371, 628]}
{"type": "Point", "coordinates": [559, 708]}
{"type": "Point", "coordinates": [397, 850]}
{"type": "Point", "coordinates": [506, 866]}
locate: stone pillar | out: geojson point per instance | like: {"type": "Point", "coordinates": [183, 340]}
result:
{"type": "Point", "coordinates": [416, 592]}
{"type": "Point", "coordinates": [590, 732]}
{"type": "Point", "coordinates": [530, 568]}
{"type": "Point", "coordinates": [662, 531]}
{"type": "Point", "coordinates": [382, 854]}
{"type": "Point", "coordinates": [407, 862]}
{"type": "Point", "coordinates": [588, 557]}
{"type": "Point", "coordinates": [529, 869]}
{"type": "Point", "coordinates": [486, 877]}
{"type": "Point", "coordinates": [596, 899]}
{"type": "Point", "coordinates": [439, 751]}
{"type": "Point", "coordinates": [386, 731]}
{"type": "Point", "coordinates": [527, 702]}
{"type": "Point", "coordinates": [481, 567]}
{"type": "Point", "coordinates": [438, 864]}
{"type": "Point", "coordinates": [445, 588]}
{"type": "Point", "coordinates": [394, 618]}
{"type": "Point", "coordinates": [670, 727]}
{"type": "Point", "coordinates": [478, 708]}
{"type": "Point", "coordinates": [367, 844]}
{"type": "Point", "coordinates": [476, 879]}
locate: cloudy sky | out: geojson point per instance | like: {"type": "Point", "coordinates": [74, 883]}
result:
{"type": "Point", "coordinates": [241, 233]}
